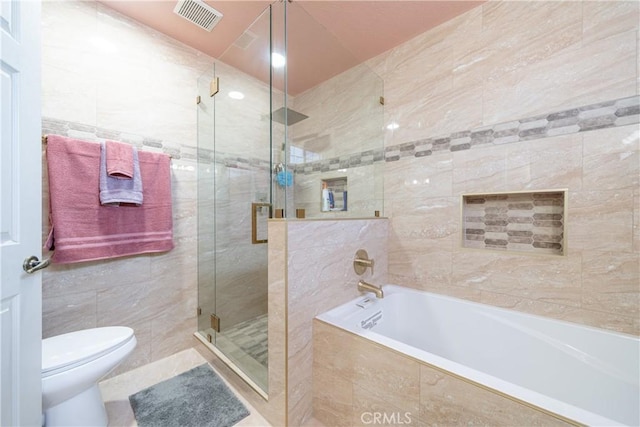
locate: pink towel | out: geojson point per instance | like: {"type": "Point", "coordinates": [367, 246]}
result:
{"type": "Point", "coordinates": [84, 230]}
{"type": "Point", "coordinates": [119, 158]}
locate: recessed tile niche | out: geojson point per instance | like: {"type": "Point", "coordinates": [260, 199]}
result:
{"type": "Point", "coordinates": [531, 222]}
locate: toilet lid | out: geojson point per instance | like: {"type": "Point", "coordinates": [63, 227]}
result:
{"type": "Point", "coordinates": [77, 348]}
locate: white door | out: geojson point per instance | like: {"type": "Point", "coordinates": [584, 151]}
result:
{"type": "Point", "coordinates": [20, 213]}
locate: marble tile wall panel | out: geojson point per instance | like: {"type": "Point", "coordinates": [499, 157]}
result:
{"type": "Point", "coordinates": [636, 220]}
{"type": "Point", "coordinates": [242, 126]}
{"type": "Point", "coordinates": [611, 279]}
{"type": "Point", "coordinates": [345, 115]}
{"type": "Point", "coordinates": [612, 163]}
{"type": "Point", "coordinates": [607, 114]}
{"type": "Point", "coordinates": [603, 20]}
{"type": "Point", "coordinates": [78, 35]}
{"type": "Point", "coordinates": [424, 249]}
{"type": "Point", "coordinates": [551, 102]}
{"type": "Point", "coordinates": [320, 276]}
{"type": "Point", "coordinates": [601, 220]}
{"type": "Point", "coordinates": [354, 379]}
{"type": "Point", "coordinates": [277, 322]}
{"type": "Point", "coordinates": [342, 137]}
{"type": "Point", "coordinates": [445, 399]}
{"type": "Point", "coordinates": [600, 70]}
{"type": "Point", "coordinates": [108, 77]}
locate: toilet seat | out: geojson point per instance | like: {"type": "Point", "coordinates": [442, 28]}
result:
{"type": "Point", "coordinates": [67, 351]}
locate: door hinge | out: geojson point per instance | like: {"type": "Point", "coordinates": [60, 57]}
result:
{"type": "Point", "coordinates": [214, 86]}
{"type": "Point", "coordinates": [215, 323]}
{"type": "Point", "coordinates": [199, 311]}
{"type": "Point", "coordinates": [198, 99]}
{"type": "Point", "coordinates": [382, 100]}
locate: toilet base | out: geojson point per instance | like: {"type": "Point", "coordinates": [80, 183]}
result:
{"type": "Point", "coordinates": [85, 409]}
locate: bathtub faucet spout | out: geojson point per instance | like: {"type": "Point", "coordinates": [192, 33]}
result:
{"type": "Point", "coordinates": [368, 287]}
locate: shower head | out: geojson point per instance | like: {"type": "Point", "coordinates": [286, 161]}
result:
{"type": "Point", "coordinates": [292, 117]}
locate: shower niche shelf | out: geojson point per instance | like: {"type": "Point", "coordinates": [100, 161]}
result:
{"type": "Point", "coordinates": [338, 189]}
{"type": "Point", "coordinates": [530, 222]}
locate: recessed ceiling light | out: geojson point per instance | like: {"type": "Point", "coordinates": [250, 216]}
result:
{"type": "Point", "coordinates": [236, 95]}
{"type": "Point", "coordinates": [277, 60]}
{"type": "Point", "coordinates": [393, 125]}
{"type": "Point", "coordinates": [103, 44]}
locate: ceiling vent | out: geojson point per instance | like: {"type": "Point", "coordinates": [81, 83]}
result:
{"type": "Point", "coordinates": [199, 13]}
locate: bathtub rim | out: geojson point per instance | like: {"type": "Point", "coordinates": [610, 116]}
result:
{"type": "Point", "coordinates": [563, 411]}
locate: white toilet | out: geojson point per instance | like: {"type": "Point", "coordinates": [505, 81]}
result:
{"type": "Point", "coordinates": [72, 365]}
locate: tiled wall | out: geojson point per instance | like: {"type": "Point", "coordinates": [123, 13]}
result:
{"type": "Point", "coordinates": [514, 96]}
{"type": "Point", "coordinates": [355, 380]}
{"type": "Point", "coordinates": [477, 102]}
{"type": "Point", "coordinates": [311, 270]}
{"type": "Point", "coordinates": [344, 131]}
{"type": "Point", "coordinates": [105, 76]}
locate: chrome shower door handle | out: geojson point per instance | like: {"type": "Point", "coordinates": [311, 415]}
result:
{"type": "Point", "coordinates": [33, 264]}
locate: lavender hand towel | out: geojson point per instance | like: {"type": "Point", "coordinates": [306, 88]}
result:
{"type": "Point", "coordinates": [114, 191]}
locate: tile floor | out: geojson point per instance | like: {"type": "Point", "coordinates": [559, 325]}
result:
{"type": "Point", "coordinates": [115, 391]}
{"type": "Point", "coordinates": [251, 336]}
{"type": "Point", "coordinates": [246, 345]}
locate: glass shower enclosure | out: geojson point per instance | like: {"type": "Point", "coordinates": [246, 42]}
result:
{"type": "Point", "coordinates": [267, 147]}
{"type": "Point", "coordinates": [234, 199]}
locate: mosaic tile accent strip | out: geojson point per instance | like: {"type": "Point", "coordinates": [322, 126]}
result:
{"type": "Point", "coordinates": [97, 134]}
{"type": "Point", "coordinates": [521, 222]}
{"type": "Point", "coordinates": [602, 115]}
{"type": "Point", "coordinates": [346, 161]}
{"type": "Point", "coordinates": [175, 150]}
{"type": "Point", "coordinates": [619, 112]}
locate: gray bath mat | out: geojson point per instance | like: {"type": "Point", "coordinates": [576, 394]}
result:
{"type": "Point", "coordinates": [196, 398]}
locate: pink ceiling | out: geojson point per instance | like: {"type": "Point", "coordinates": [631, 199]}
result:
{"type": "Point", "coordinates": [325, 37]}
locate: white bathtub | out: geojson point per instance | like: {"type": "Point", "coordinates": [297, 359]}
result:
{"type": "Point", "coordinates": [587, 375]}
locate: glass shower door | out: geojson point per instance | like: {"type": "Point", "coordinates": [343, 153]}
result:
{"type": "Point", "coordinates": [206, 206]}
{"type": "Point", "coordinates": [235, 203]}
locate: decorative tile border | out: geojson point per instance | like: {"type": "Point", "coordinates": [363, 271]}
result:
{"type": "Point", "coordinates": [365, 158]}
{"type": "Point", "coordinates": [603, 115]}
{"type": "Point", "coordinates": [97, 134]}
{"type": "Point", "coordinates": [176, 151]}
{"type": "Point", "coordinates": [620, 112]}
